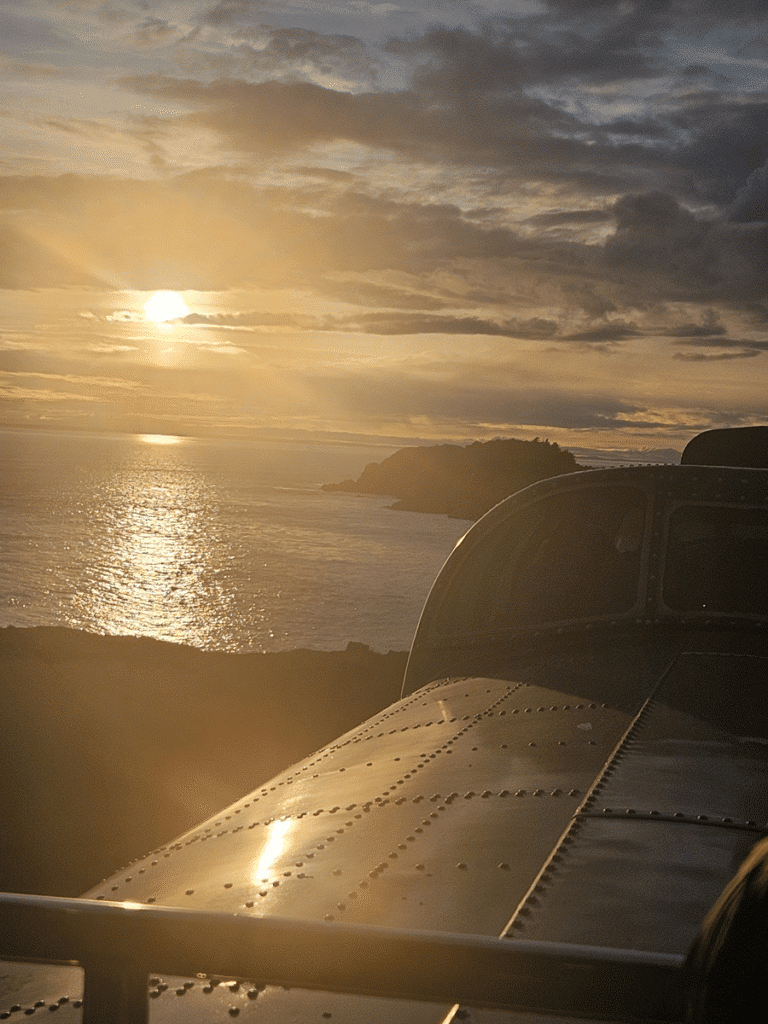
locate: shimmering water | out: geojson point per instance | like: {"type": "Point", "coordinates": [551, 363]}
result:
{"type": "Point", "coordinates": [221, 545]}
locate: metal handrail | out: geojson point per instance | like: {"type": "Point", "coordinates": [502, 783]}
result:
{"type": "Point", "coordinates": [120, 944]}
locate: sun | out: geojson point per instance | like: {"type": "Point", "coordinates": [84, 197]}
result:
{"type": "Point", "coordinates": [164, 306]}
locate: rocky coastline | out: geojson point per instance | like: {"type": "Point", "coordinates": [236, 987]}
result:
{"type": "Point", "coordinates": [462, 481]}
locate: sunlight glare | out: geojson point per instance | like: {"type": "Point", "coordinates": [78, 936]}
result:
{"type": "Point", "coordinates": [272, 850]}
{"type": "Point", "coordinates": [164, 306]}
{"type": "Point", "coordinates": [160, 438]}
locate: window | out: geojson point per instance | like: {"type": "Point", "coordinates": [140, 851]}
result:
{"type": "Point", "coordinates": [572, 555]}
{"type": "Point", "coordinates": [717, 560]}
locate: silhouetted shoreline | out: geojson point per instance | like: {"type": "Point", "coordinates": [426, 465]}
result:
{"type": "Point", "coordinates": [113, 745]}
{"type": "Point", "coordinates": [460, 481]}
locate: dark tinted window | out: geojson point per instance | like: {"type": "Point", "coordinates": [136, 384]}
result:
{"type": "Point", "coordinates": [717, 560]}
{"type": "Point", "coordinates": [572, 555]}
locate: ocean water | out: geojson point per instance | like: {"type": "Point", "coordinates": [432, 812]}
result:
{"type": "Point", "coordinates": [224, 545]}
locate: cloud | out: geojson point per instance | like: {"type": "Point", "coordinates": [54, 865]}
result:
{"type": "Point", "coordinates": [125, 316]}
{"type": "Point", "coordinates": [662, 249]}
{"type": "Point", "coordinates": [713, 357]}
{"type": "Point", "coordinates": [606, 332]}
{"type": "Point", "coordinates": [715, 348]}
{"type": "Point", "coordinates": [711, 327]}
{"type": "Point", "coordinates": [405, 324]}
{"type": "Point", "coordinates": [751, 202]}
{"type": "Point", "coordinates": [240, 320]}
{"type": "Point", "coordinates": [154, 32]}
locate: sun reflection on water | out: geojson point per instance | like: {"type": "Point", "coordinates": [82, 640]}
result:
{"type": "Point", "coordinates": [160, 438]}
{"type": "Point", "coordinates": [164, 571]}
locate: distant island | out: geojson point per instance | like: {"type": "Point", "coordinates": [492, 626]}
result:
{"type": "Point", "coordinates": [457, 480]}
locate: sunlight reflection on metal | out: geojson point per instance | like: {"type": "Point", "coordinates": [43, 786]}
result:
{"type": "Point", "coordinates": [272, 850]}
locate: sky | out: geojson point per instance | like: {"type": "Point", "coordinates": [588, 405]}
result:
{"type": "Point", "coordinates": [429, 220]}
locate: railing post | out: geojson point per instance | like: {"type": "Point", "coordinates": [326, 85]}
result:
{"type": "Point", "coordinates": [115, 993]}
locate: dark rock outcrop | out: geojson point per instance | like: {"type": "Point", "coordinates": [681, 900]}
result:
{"type": "Point", "coordinates": [114, 745]}
{"type": "Point", "coordinates": [460, 481]}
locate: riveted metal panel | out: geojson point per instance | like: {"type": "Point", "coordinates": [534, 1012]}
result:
{"type": "Point", "coordinates": [663, 876]}
{"type": "Point", "coordinates": [52, 989]}
{"type": "Point", "coordinates": [506, 775]}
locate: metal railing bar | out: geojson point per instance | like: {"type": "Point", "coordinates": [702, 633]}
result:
{"type": "Point", "coordinates": [119, 944]}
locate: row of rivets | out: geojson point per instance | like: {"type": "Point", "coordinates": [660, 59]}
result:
{"type": "Point", "coordinates": [667, 816]}
{"type": "Point", "coordinates": [541, 884]}
{"type": "Point", "coordinates": [209, 834]}
{"type": "Point", "coordinates": [28, 1011]}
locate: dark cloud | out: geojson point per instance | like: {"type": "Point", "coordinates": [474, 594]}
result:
{"type": "Point", "coordinates": [728, 142]}
{"type": "Point", "coordinates": [606, 332]}
{"type": "Point", "coordinates": [724, 343]}
{"type": "Point", "coordinates": [751, 202]}
{"type": "Point", "coordinates": [384, 324]}
{"type": "Point", "coordinates": [154, 32]}
{"type": "Point", "coordinates": [709, 327]}
{"type": "Point", "coordinates": [250, 319]}
{"type": "Point", "coordinates": [394, 324]}
{"type": "Point", "coordinates": [555, 218]}
{"type": "Point", "coordinates": [660, 247]}
{"type": "Point", "coordinates": [472, 101]}
{"type": "Point", "coordinates": [714, 357]}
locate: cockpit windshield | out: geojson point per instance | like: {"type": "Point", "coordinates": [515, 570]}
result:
{"type": "Point", "coordinates": [573, 555]}
{"type": "Point", "coordinates": [717, 560]}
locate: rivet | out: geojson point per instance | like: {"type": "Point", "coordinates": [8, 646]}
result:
{"type": "Point", "coordinates": [462, 866]}
{"type": "Point", "coordinates": [234, 1011]}
{"type": "Point", "coordinates": [419, 867]}
{"type": "Point", "coordinates": [504, 866]}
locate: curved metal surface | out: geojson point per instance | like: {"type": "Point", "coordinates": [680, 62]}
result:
{"type": "Point", "coordinates": [592, 555]}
